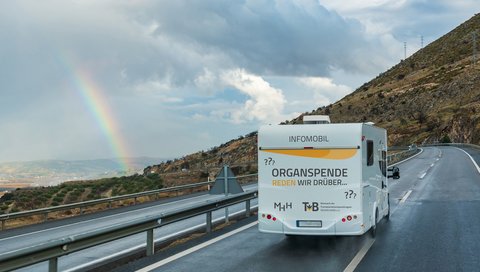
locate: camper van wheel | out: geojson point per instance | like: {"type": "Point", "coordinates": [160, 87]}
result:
{"type": "Point", "coordinates": [388, 211]}
{"type": "Point", "coordinates": [291, 237]}
{"type": "Point", "coordinates": [373, 231]}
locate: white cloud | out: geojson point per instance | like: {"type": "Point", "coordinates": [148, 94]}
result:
{"type": "Point", "coordinates": [265, 103]}
{"type": "Point", "coordinates": [324, 90]}
{"type": "Point", "coordinates": [207, 81]}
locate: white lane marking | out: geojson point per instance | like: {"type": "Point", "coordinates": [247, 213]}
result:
{"type": "Point", "coordinates": [360, 254]}
{"type": "Point", "coordinates": [101, 218]}
{"type": "Point", "coordinates": [196, 248]}
{"type": "Point", "coordinates": [423, 175]}
{"type": "Point", "coordinates": [431, 165]}
{"type": "Point", "coordinates": [143, 245]}
{"type": "Point", "coordinates": [471, 158]}
{"type": "Point", "coordinates": [404, 198]}
{"type": "Point", "coordinates": [407, 159]}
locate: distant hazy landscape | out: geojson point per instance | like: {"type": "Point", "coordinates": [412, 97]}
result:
{"type": "Point", "coordinates": [53, 172]}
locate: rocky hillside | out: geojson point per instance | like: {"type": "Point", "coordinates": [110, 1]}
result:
{"type": "Point", "coordinates": [432, 96]}
{"type": "Point", "coordinates": [240, 154]}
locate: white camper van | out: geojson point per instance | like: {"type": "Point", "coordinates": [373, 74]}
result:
{"type": "Point", "coordinates": [322, 179]}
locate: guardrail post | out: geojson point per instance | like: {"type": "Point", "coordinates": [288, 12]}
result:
{"type": "Point", "coordinates": [3, 224]}
{"type": "Point", "coordinates": [150, 243]}
{"type": "Point", "coordinates": [209, 222]}
{"type": "Point", "coordinates": [247, 208]}
{"type": "Point", "coordinates": [45, 217]}
{"type": "Point", "coordinates": [225, 177]}
{"type": "Point", "coordinates": [53, 265]}
{"type": "Point", "coordinates": [134, 201]}
{"type": "Point", "coordinates": [109, 204]}
{"type": "Point", "coordinates": [81, 210]}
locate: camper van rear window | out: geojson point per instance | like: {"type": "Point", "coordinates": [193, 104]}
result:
{"type": "Point", "coordinates": [369, 152]}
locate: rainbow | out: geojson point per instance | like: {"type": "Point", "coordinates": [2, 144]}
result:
{"type": "Point", "coordinates": [97, 105]}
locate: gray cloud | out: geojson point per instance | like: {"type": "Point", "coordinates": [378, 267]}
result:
{"type": "Point", "coordinates": [295, 38]}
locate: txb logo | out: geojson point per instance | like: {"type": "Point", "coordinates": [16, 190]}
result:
{"type": "Point", "coordinates": [310, 206]}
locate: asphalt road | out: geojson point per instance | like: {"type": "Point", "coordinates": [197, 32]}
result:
{"type": "Point", "coordinates": [15, 239]}
{"type": "Point", "coordinates": [434, 227]}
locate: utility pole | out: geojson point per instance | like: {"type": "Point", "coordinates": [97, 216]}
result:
{"type": "Point", "coordinates": [421, 41]}
{"type": "Point", "coordinates": [404, 50]}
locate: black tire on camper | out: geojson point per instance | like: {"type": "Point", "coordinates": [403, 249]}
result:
{"type": "Point", "coordinates": [388, 211]}
{"type": "Point", "coordinates": [373, 230]}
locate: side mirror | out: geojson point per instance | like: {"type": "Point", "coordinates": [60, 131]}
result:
{"type": "Point", "coordinates": [395, 172]}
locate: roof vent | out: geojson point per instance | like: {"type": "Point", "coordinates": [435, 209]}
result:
{"type": "Point", "coordinates": [316, 119]}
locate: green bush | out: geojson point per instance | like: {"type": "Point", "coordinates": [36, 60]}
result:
{"type": "Point", "coordinates": [445, 139]}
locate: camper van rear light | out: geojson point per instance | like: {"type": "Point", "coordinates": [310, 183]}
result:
{"type": "Point", "coordinates": [269, 217]}
{"type": "Point", "coordinates": [274, 219]}
{"type": "Point", "coordinates": [343, 220]}
{"type": "Point", "coordinates": [263, 215]}
{"type": "Point", "coordinates": [349, 218]}
{"type": "Point", "coordinates": [354, 217]}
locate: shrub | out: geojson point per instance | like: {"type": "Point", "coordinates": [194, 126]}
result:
{"type": "Point", "coordinates": [445, 139]}
{"type": "Point", "coordinates": [6, 197]}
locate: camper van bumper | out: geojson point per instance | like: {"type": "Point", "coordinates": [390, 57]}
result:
{"type": "Point", "coordinates": [328, 227]}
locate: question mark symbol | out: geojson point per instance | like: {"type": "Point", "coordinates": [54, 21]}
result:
{"type": "Point", "coordinates": [346, 195]}
{"type": "Point", "coordinates": [351, 193]}
{"type": "Point", "coordinates": [266, 161]}
{"type": "Point", "coordinates": [273, 162]}
{"type": "Point", "coordinates": [270, 160]}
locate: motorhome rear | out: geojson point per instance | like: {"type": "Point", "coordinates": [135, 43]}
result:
{"type": "Point", "coordinates": [321, 178]}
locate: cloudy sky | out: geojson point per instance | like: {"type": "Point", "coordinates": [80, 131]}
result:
{"type": "Point", "coordinates": [94, 79]}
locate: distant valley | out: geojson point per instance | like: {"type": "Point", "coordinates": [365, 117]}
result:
{"type": "Point", "coordinates": [53, 172]}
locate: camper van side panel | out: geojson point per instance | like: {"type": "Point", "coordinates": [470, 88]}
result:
{"type": "Point", "coordinates": [374, 182]}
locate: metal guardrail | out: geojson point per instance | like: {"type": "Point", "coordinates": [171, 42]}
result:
{"type": "Point", "coordinates": [84, 204]}
{"type": "Point", "coordinates": [453, 144]}
{"type": "Point", "coordinates": [54, 249]}
{"type": "Point", "coordinates": [109, 201]}
{"type": "Point", "coordinates": [393, 158]}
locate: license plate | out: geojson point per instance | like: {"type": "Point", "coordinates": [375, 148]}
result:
{"type": "Point", "coordinates": [309, 223]}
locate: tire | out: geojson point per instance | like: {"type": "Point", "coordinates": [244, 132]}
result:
{"type": "Point", "coordinates": [291, 238]}
{"type": "Point", "coordinates": [373, 230]}
{"type": "Point", "coordinates": [388, 211]}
